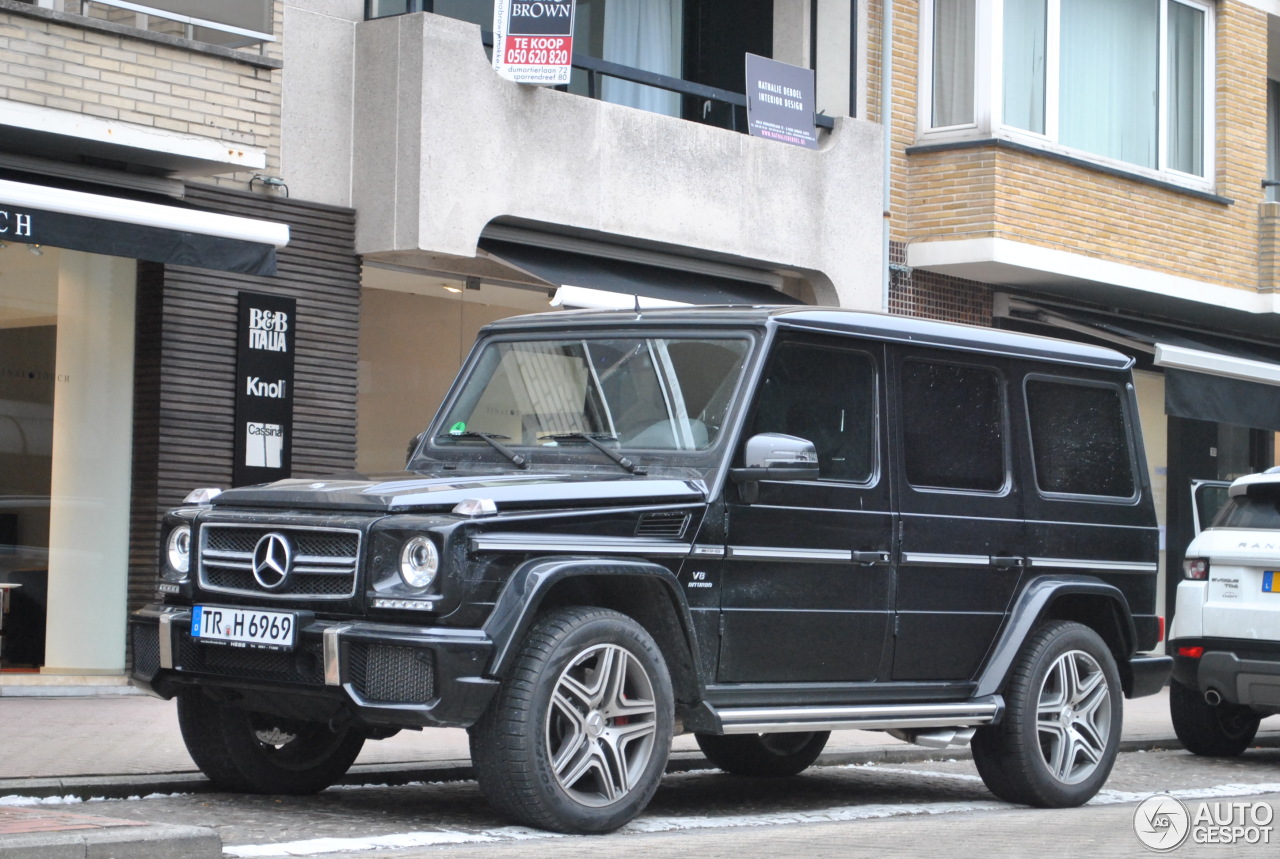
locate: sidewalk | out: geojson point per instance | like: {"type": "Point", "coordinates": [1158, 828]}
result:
{"type": "Point", "coordinates": [117, 746]}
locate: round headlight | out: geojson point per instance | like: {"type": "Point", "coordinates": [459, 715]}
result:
{"type": "Point", "coordinates": [419, 562]}
{"type": "Point", "coordinates": [178, 548]}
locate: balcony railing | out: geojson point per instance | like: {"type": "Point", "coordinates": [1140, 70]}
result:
{"type": "Point", "coordinates": [240, 25]}
{"type": "Point", "coordinates": [597, 68]}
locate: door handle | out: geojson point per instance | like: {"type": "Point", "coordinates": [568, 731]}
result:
{"type": "Point", "coordinates": [871, 558]}
{"type": "Point", "coordinates": [1008, 561]}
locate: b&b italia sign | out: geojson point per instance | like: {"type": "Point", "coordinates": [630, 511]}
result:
{"type": "Point", "coordinates": [264, 395]}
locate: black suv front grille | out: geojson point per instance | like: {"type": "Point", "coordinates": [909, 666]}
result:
{"type": "Point", "coordinates": [323, 561]}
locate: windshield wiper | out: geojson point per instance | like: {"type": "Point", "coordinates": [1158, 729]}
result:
{"type": "Point", "coordinates": [595, 439]}
{"type": "Point", "coordinates": [519, 460]}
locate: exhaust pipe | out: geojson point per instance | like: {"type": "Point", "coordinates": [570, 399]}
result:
{"type": "Point", "coordinates": [1212, 697]}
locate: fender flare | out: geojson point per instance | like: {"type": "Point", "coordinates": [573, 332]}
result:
{"type": "Point", "coordinates": [521, 597]}
{"type": "Point", "coordinates": [1023, 619]}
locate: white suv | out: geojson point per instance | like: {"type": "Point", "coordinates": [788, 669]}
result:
{"type": "Point", "coordinates": [1225, 638]}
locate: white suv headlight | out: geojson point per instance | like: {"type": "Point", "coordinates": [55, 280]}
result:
{"type": "Point", "coordinates": [419, 562]}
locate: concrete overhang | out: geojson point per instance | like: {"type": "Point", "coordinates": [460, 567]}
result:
{"type": "Point", "coordinates": [446, 149]}
{"type": "Point", "coordinates": [75, 137]}
{"type": "Point", "coordinates": [1033, 269]}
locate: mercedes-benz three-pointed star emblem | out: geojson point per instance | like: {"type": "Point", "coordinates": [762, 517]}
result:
{"type": "Point", "coordinates": [272, 560]}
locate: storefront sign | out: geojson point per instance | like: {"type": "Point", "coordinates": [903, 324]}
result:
{"type": "Point", "coordinates": [533, 41]}
{"type": "Point", "coordinates": [264, 395]}
{"type": "Point", "coordinates": [780, 102]}
{"type": "Point", "coordinates": [134, 241]}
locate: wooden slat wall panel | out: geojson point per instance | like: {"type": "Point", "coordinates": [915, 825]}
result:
{"type": "Point", "coordinates": [185, 363]}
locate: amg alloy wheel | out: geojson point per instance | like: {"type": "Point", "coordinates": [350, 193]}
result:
{"type": "Point", "coordinates": [578, 736]}
{"type": "Point", "coordinates": [1061, 732]}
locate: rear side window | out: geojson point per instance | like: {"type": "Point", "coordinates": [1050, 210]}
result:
{"type": "Point", "coordinates": [1079, 441]}
{"type": "Point", "coordinates": [953, 425]}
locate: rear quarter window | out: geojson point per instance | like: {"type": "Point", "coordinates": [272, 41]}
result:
{"type": "Point", "coordinates": [1079, 438]}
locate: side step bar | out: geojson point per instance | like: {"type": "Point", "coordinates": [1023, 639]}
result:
{"type": "Point", "coordinates": [869, 717]}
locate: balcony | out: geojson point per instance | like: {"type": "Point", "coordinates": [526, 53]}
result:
{"type": "Point", "coordinates": [443, 148]}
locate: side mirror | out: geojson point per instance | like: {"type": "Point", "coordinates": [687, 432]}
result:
{"type": "Point", "coordinates": [413, 446]}
{"type": "Point", "coordinates": [774, 456]}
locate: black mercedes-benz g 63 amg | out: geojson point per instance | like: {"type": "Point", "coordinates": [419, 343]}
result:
{"type": "Point", "coordinates": [755, 524]}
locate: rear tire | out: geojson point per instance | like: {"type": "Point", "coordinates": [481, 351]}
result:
{"type": "Point", "coordinates": [577, 737]}
{"type": "Point", "coordinates": [258, 753]}
{"type": "Point", "coordinates": [768, 755]}
{"type": "Point", "coordinates": [1224, 731]}
{"type": "Point", "coordinates": [1061, 730]}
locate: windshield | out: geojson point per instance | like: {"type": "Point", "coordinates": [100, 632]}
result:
{"type": "Point", "coordinates": [643, 393]}
{"type": "Point", "coordinates": [1259, 509]}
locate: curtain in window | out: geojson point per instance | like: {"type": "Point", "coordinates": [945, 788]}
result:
{"type": "Point", "coordinates": [1110, 72]}
{"type": "Point", "coordinates": [954, 36]}
{"type": "Point", "coordinates": [1024, 58]}
{"type": "Point", "coordinates": [1186, 89]}
{"type": "Point", "coordinates": [643, 34]}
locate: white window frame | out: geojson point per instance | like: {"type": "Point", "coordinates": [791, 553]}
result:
{"type": "Point", "coordinates": [989, 96]}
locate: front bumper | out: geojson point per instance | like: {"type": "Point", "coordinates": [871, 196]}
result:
{"type": "Point", "coordinates": [1242, 672]}
{"type": "Point", "coordinates": [381, 674]}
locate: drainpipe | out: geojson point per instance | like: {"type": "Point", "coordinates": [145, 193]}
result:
{"type": "Point", "coordinates": [886, 119]}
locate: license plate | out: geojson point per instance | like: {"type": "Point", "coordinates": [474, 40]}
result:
{"type": "Point", "coordinates": [1270, 582]}
{"type": "Point", "coordinates": [242, 627]}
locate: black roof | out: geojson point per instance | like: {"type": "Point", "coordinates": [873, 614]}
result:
{"type": "Point", "coordinates": [876, 326]}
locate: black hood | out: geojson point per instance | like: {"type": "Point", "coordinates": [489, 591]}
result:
{"type": "Point", "coordinates": [405, 492]}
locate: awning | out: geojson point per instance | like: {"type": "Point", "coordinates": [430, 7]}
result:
{"type": "Point", "coordinates": [565, 268]}
{"type": "Point", "coordinates": [115, 226]}
{"type": "Point", "coordinates": [1207, 376]}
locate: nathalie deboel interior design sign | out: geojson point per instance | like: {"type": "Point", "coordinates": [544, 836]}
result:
{"type": "Point", "coordinates": [264, 381]}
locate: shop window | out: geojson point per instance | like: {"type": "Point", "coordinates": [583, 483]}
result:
{"type": "Point", "coordinates": [1127, 82]}
{"type": "Point", "coordinates": [828, 397]}
{"type": "Point", "coordinates": [1079, 441]}
{"type": "Point", "coordinates": [953, 426]}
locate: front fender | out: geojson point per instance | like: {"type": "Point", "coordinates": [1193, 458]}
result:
{"type": "Point", "coordinates": [518, 604]}
{"type": "Point", "coordinates": [1039, 594]}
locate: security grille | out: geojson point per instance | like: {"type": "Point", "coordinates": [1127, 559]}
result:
{"type": "Point", "coordinates": [324, 561]}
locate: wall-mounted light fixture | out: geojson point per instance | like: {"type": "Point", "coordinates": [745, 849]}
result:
{"type": "Point", "coordinates": [270, 182]}
{"type": "Point", "coordinates": [35, 250]}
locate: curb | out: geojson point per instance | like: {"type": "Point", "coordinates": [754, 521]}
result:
{"type": "Point", "coordinates": [144, 842]}
{"type": "Point", "coordinates": [391, 775]}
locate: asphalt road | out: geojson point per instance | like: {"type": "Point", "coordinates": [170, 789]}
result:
{"type": "Point", "coordinates": [933, 808]}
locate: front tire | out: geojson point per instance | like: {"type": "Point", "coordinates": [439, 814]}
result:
{"type": "Point", "coordinates": [259, 753]}
{"type": "Point", "coordinates": [767, 755]}
{"type": "Point", "coordinates": [1224, 731]}
{"type": "Point", "coordinates": [1061, 730]}
{"type": "Point", "coordinates": [577, 738]}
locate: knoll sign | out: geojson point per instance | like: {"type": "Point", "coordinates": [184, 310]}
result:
{"type": "Point", "coordinates": [533, 41]}
{"type": "Point", "coordinates": [264, 388]}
